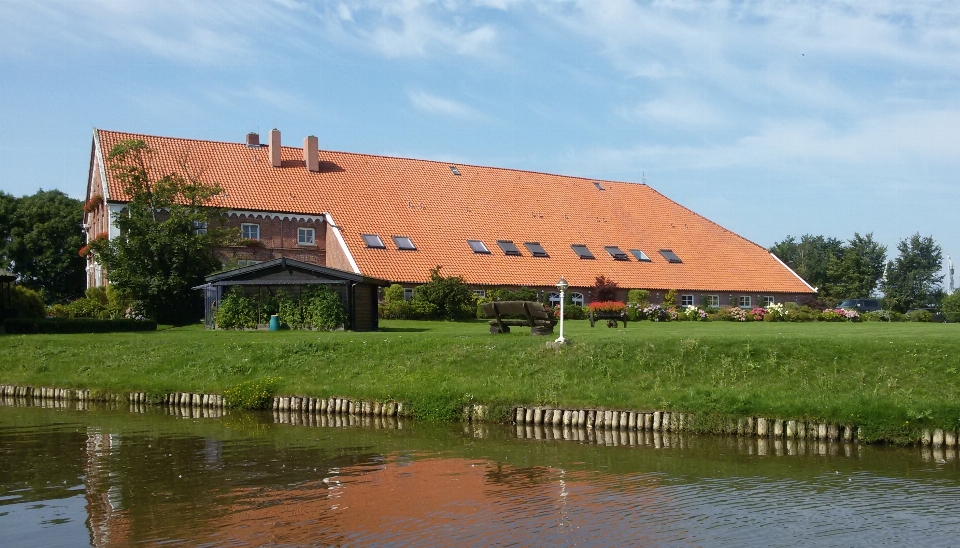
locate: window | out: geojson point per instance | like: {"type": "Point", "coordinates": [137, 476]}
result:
{"type": "Point", "coordinates": [199, 227]}
{"type": "Point", "coordinates": [712, 301]}
{"type": "Point", "coordinates": [404, 243]}
{"type": "Point", "coordinates": [686, 300]}
{"type": "Point", "coordinates": [407, 293]}
{"type": "Point", "coordinates": [598, 185]}
{"type": "Point", "coordinates": [454, 170]}
{"type": "Point", "coordinates": [575, 298]}
{"type": "Point", "coordinates": [535, 249]}
{"type": "Point", "coordinates": [306, 236]}
{"type": "Point", "coordinates": [582, 251]}
{"type": "Point", "coordinates": [640, 255]}
{"type": "Point", "coordinates": [670, 256]}
{"type": "Point", "coordinates": [478, 247]}
{"type": "Point", "coordinates": [372, 240]}
{"type": "Point", "coordinates": [767, 301]}
{"type": "Point", "coordinates": [744, 301]}
{"type": "Point", "coordinates": [249, 231]}
{"type": "Point", "coordinates": [508, 247]}
{"type": "Point", "coordinates": [482, 293]}
{"type": "Point", "coordinates": [616, 253]}
{"type": "Point", "coordinates": [247, 262]}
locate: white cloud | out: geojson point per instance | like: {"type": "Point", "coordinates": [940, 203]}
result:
{"type": "Point", "coordinates": [433, 104]}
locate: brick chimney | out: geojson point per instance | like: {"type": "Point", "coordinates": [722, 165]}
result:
{"type": "Point", "coordinates": [253, 140]}
{"type": "Point", "coordinates": [310, 154]}
{"type": "Point", "coordinates": [275, 147]}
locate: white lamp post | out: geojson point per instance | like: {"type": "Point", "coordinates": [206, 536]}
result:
{"type": "Point", "coordinates": [562, 285]}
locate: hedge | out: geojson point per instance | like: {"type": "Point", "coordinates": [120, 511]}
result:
{"type": "Point", "coordinates": [25, 326]}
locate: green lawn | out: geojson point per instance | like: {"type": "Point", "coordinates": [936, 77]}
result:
{"type": "Point", "coordinates": [889, 378]}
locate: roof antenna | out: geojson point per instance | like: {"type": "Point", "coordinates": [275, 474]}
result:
{"type": "Point", "coordinates": [643, 178]}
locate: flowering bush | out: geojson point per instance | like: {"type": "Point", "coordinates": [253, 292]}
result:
{"type": "Point", "coordinates": [758, 313]}
{"type": "Point", "coordinates": [739, 314]}
{"type": "Point", "coordinates": [775, 313]}
{"type": "Point", "coordinates": [656, 313]}
{"type": "Point", "coordinates": [839, 315]}
{"type": "Point", "coordinates": [615, 307]}
{"type": "Point", "coordinates": [84, 251]}
{"type": "Point", "coordinates": [692, 313]}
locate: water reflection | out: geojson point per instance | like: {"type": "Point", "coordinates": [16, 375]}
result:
{"type": "Point", "coordinates": [171, 476]}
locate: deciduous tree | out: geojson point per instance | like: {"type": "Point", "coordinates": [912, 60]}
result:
{"type": "Point", "coordinates": [858, 270]}
{"type": "Point", "coordinates": [168, 234]}
{"type": "Point", "coordinates": [45, 232]}
{"type": "Point", "coordinates": [911, 280]}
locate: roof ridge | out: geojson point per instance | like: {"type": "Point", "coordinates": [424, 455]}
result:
{"type": "Point", "coordinates": [388, 156]}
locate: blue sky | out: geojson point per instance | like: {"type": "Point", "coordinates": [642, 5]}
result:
{"type": "Point", "coordinates": [770, 118]}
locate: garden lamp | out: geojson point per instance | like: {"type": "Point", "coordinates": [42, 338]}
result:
{"type": "Point", "coordinates": [562, 285]}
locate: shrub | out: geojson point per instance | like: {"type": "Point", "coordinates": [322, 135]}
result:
{"type": "Point", "coordinates": [235, 311]}
{"type": "Point", "coordinates": [446, 298]}
{"type": "Point", "coordinates": [27, 303]}
{"type": "Point", "coordinates": [252, 394]}
{"type": "Point", "coordinates": [757, 314]}
{"type": "Point", "coordinates": [522, 294]}
{"type": "Point", "coordinates": [951, 307]}
{"type": "Point", "coordinates": [656, 313]}
{"type": "Point", "coordinates": [290, 313]}
{"type": "Point", "coordinates": [393, 294]}
{"type": "Point", "coordinates": [694, 314]}
{"type": "Point", "coordinates": [58, 311]}
{"type": "Point", "coordinates": [876, 316]}
{"type": "Point", "coordinates": [570, 311]}
{"type": "Point", "coordinates": [670, 299]}
{"type": "Point", "coordinates": [604, 289]}
{"type": "Point", "coordinates": [21, 326]}
{"type": "Point", "coordinates": [776, 312]}
{"type": "Point", "coordinates": [397, 310]}
{"type": "Point", "coordinates": [638, 296]}
{"type": "Point", "coordinates": [322, 309]}
{"type": "Point", "coordinates": [86, 308]}
{"type": "Point", "coordinates": [918, 316]}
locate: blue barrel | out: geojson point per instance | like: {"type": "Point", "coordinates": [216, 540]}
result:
{"type": "Point", "coordinates": [274, 323]}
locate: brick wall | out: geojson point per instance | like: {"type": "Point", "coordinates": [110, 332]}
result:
{"type": "Point", "coordinates": [278, 238]}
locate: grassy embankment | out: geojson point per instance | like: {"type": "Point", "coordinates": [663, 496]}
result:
{"type": "Point", "coordinates": [890, 379]}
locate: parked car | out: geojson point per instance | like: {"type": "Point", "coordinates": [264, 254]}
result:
{"type": "Point", "coordinates": [861, 305]}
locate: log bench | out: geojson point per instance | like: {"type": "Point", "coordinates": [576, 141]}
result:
{"type": "Point", "coordinates": [505, 314]}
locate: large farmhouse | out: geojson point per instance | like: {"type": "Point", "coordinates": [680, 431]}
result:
{"type": "Point", "coordinates": [397, 218]}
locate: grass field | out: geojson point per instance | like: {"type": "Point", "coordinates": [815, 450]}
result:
{"type": "Point", "coordinates": [891, 379]}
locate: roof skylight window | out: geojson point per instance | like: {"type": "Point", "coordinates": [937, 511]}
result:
{"type": "Point", "coordinates": [535, 249]}
{"type": "Point", "coordinates": [372, 240]}
{"type": "Point", "coordinates": [670, 256]}
{"type": "Point", "coordinates": [403, 243]}
{"type": "Point", "coordinates": [598, 185]}
{"type": "Point", "coordinates": [508, 248]}
{"type": "Point", "coordinates": [478, 247]}
{"type": "Point", "coordinates": [616, 253]}
{"type": "Point", "coordinates": [582, 251]}
{"type": "Point", "coordinates": [454, 170]}
{"type": "Point", "coordinates": [640, 255]}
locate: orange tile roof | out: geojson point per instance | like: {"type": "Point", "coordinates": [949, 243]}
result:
{"type": "Point", "coordinates": [439, 211]}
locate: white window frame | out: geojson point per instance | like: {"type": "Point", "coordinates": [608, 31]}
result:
{"type": "Point", "coordinates": [247, 228]}
{"type": "Point", "coordinates": [768, 300]}
{"type": "Point", "coordinates": [713, 301]}
{"type": "Point", "coordinates": [482, 293]}
{"type": "Point", "coordinates": [302, 231]}
{"type": "Point", "coordinates": [575, 298]}
{"type": "Point", "coordinates": [745, 301]}
{"type": "Point", "coordinates": [408, 293]}
{"type": "Point", "coordinates": [199, 227]}
{"type": "Point", "coordinates": [686, 300]}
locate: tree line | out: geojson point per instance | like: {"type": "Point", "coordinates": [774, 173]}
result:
{"type": "Point", "coordinates": [858, 268]}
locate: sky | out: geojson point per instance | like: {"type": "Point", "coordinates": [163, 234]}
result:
{"type": "Point", "coordinates": [769, 118]}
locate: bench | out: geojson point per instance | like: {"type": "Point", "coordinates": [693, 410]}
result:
{"type": "Point", "coordinates": [519, 314]}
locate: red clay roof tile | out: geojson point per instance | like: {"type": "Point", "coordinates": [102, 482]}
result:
{"type": "Point", "coordinates": [439, 211]}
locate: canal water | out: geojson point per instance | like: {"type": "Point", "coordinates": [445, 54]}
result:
{"type": "Point", "coordinates": [152, 476]}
